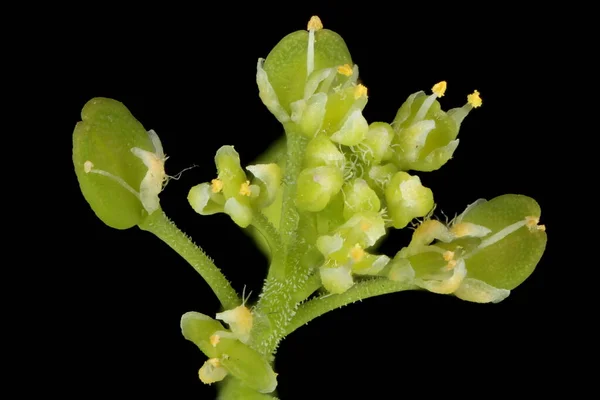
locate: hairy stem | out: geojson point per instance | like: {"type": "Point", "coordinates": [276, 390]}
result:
{"type": "Point", "coordinates": [160, 225]}
{"type": "Point", "coordinates": [362, 290]}
{"type": "Point", "coordinates": [272, 237]}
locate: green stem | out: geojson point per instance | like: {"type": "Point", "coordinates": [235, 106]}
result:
{"type": "Point", "coordinates": [360, 291]}
{"type": "Point", "coordinates": [289, 214]}
{"type": "Point", "coordinates": [160, 225]}
{"type": "Point", "coordinates": [268, 231]}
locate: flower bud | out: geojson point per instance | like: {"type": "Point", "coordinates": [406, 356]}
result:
{"type": "Point", "coordinates": [316, 186]}
{"type": "Point", "coordinates": [359, 197]}
{"type": "Point", "coordinates": [119, 166]}
{"type": "Point", "coordinates": [321, 151]}
{"type": "Point", "coordinates": [378, 141]}
{"type": "Point", "coordinates": [407, 198]}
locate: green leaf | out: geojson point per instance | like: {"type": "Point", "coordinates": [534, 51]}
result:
{"type": "Point", "coordinates": [105, 137]}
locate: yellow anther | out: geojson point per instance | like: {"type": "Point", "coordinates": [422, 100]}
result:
{"type": "Point", "coordinates": [357, 253]}
{"type": "Point", "coordinates": [216, 185]}
{"type": "Point", "coordinates": [215, 362]}
{"type": "Point", "coordinates": [451, 264]}
{"type": "Point", "coordinates": [214, 340]}
{"type": "Point", "coordinates": [532, 224]}
{"type": "Point", "coordinates": [87, 166]}
{"type": "Point", "coordinates": [345, 70]}
{"type": "Point", "coordinates": [474, 99]}
{"type": "Point", "coordinates": [448, 255]}
{"type": "Point", "coordinates": [314, 24]}
{"type": "Point", "coordinates": [359, 91]}
{"type": "Point", "coordinates": [439, 88]}
{"type": "Point", "coordinates": [245, 189]}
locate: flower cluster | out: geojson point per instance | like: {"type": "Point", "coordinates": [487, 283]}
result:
{"type": "Point", "coordinates": [354, 174]}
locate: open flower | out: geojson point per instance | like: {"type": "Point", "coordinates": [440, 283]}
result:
{"type": "Point", "coordinates": [232, 192]}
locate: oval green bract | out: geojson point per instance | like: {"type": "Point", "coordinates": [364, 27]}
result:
{"type": "Point", "coordinates": [509, 261]}
{"type": "Point", "coordinates": [105, 136]}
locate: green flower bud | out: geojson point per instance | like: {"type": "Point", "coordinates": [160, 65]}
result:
{"type": "Point", "coordinates": [321, 151]}
{"type": "Point", "coordinates": [294, 59]}
{"type": "Point", "coordinates": [359, 197]}
{"type": "Point", "coordinates": [119, 166]}
{"type": "Point", "coordinates": [316, 186]}
{"type": "Point", "coordinates": [378, 141]}
{"type": "Point", "coordinates": [407, 198]}
{"type": "Point", "coordinates": [425, 135]}
{"type": "Point", "coordinates": [379, 177]}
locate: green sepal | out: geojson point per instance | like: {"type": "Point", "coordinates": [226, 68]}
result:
{"type": "Point", "coordinates": [105, 137]}
{"type": "Point", "coordinates": [198, 328]}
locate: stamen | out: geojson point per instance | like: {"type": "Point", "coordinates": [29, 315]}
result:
{"type": "Point", "coordinates": [439, 88]}
{"type": "Point", "coordinates": [474, 99]}
{"type": "Point", "coordinates": [345, 70]}
{"type": "Point", "coordinates": [359, 91]}
{"type": "Point", "coordinates": [216, 185]}
{"type": "Point", "coordinates": [245, 189]}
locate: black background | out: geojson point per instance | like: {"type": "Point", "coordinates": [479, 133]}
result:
{"type": "Point", "coordinates": [189, 74]}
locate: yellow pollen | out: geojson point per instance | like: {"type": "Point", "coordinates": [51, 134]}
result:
{"type": "Point", "coordinates": [345, 70]}
{"type": "Point", "coordinates": [245, 189]}
{"type": "Point", "coordinates": [448, 255]}
{"type": "Point", "coordinates": [215, 362]}
{"type": "Point", "coordinates": [314, 24]}
{"type": "Point", "coordinates": [361, 90]}
{"type": "Point", "coordinates": [541, 228]}
{"type": "Point", "coordinates": [531, 222]}
{"type": "Point", "coordinates": [216, 185]}
{"type": "Point", "coordinates": [357, 253]}
{"type": "Point", "coordinates": [451, 265]}
{"type": "Point", "coordinates": [439, 88]}
{"type": "Point", "coordinates": [474, 99]}
{"type": "Point", "coordinates": [214, 340]}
